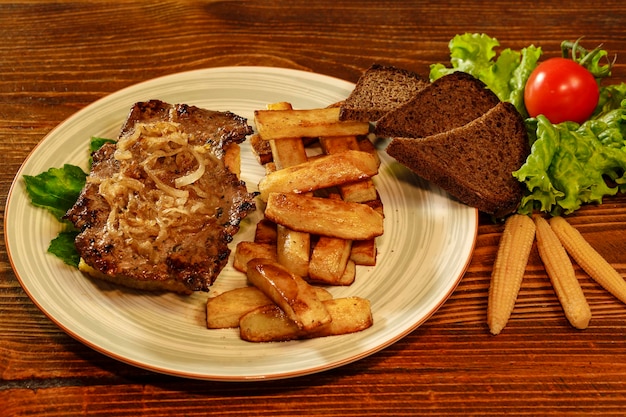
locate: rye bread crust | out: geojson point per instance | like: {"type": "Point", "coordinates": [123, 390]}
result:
{"type": "Point", "coordinates": [381, 89]}
{"type": "Point", "coordinates": [448, 102]}
{"type": "Point", "coordinates": [475, 162]}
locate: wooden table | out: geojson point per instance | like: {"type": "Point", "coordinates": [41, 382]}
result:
{"type": "Point", "coordinates": [56, 58]}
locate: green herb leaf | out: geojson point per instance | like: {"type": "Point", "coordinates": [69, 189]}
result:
{"type": "Point", "coordinates": [57, 189]}
{"type": "Point", "coordinates": [63, 248]}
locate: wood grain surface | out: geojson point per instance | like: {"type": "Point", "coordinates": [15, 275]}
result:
{"type": "Point", "coordinates": [58, 57]}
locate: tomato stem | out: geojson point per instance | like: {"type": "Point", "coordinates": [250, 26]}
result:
{"type": "Point", "coordinates": [588, 59]}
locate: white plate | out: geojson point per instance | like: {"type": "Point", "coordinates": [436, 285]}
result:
{"type": "Point", "coordinates": [427, 245]}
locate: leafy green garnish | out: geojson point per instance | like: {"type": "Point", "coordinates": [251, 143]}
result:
{"type": "Point", "coordinates": [505, 74]}
{"type": "Point", "coordinates": [63, 247]}
{"type": "Point", "coordinates": [569, 164]}
{"type": "Point", "coordinates": [588, 59]}
{"type": "Point", "coordinates": [57, 190]}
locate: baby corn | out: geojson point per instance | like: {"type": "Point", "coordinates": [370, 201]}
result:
{"type": "Point", "coordinates": [561, 272]}
{"type": "Point", "coordinates": [589, 259]}
{"type": "Point", "coordinates": [508, 271]}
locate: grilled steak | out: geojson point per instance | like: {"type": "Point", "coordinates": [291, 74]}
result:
{"type": "Point", "coordinates": [160, 206]}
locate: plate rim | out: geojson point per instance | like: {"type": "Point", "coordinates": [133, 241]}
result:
{"type": "Point", "coordinates": [238, 378]}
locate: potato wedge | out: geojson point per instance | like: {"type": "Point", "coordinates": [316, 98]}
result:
{"type": "Point", "coordinates": [324, 216]}
{"type": "Point", "coordinates": [292, 247]}
{"type": "Point", "coordinates": [271, 324]}
{"type": "Point", "coordinates": [349, 315]}
{"type": "Point", "coordinates": [245, 251]}
{"type": "Point", "coordinates": [349, 274]}
{"type": "Point", "coordinates": [280, 124]}
{"type": "Point", "coordinates": [265, 232]}
{"type": "Point", "coordinates": [268, 324]}
{"type": "Point", "coordinates": [290, 292]}
{"type": "Point", "coordinates": [359, 191]}
{"type": "Point", "coordinates": [366, 145]}
{"type": "Point", "coordinates": [323, 172]}
{"type": "Point", "coordinates": [328, 260]}
{"type": "Point", "coordinates": [363, 252]}
{"type": "Point", "coordinates": [225, 310]}
{"type": "Point", "coordinates": [293, 250]}
{"type": "Point", "coordinates": [336, 144]}
{"type": "Point", "coordinates": [287, 152]}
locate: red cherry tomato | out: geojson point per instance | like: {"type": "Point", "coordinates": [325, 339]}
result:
{"type": "Point", "coordinates": [562, 90]}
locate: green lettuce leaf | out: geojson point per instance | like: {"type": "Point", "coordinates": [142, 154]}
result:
{"type": "Point", "coordinates": [505, 74]}
{"type": "Point", "coordinates": [573, 164]}
{"type": "Point", "coordinates": [569, 164]}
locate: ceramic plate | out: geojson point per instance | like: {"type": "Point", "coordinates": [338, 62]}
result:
{"type": "Point", "coordinates": [426, 247]}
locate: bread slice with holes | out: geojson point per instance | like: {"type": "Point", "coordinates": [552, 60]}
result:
{"type": "Point", "coordinates": [448, 102]}
{"type": "Point", "coordinates": [380, 89]}
{"type": "Point", "coordinates": [473, 162]}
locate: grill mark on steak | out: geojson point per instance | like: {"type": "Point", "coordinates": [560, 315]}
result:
{"type": "Point", "coordinates": [191, 257]}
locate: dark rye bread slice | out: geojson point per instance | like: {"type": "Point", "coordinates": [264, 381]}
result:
{"type": "Point", "coordinates": [448, 102]}
{"type": "Point", "coordinates": [379, 90]}
{"type": "Point", "coordinates": [475, 162]}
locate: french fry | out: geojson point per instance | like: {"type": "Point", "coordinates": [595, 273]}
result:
{"type": "Point", "coordinates": [268, 324]}
{"type": "Point", "coordinates": [290, 292]}
{"type": "Point", "coordinates": [329, 259]}
{"type": "Point", "coordinates": [246, 251]}
{"type": "Point", "coordinates": [337, 144]}
{"type": "Point", "coordinates": [265, 232]}
{"type": "Point", "coordinates": [561, 273]}
{"type": "Point", "coordinates": [281, 305]}
{"type": "Point", "coordinates": [281, 124]}
{"type": "Point", "coordinates": [271, 324]}
{"type": "Point", "coordinates": [349, 315]}
{"type": "Point", "coordinates": [292, 247]}
{"type": "Point", "coordinates": [363, 252]}
{"type": "Point", "coordinates": [376, 205]}
{"type": "Point", "coordinates": [288, 151]}
{"type": "Point", "coordinates": [225, 309]}
{"type": "Point", "coordinates": [270, 167]}
{"type": "Point", "coordinates": [366, 145]}
{"type": "Point", "coordinates": [349, 274]}
{"type": "Point", "coordinates": [359, 191]}
{"type": "Point", "coordinates": [323, 172]}
{"type": "Point", "coordinates": [324, 216]}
